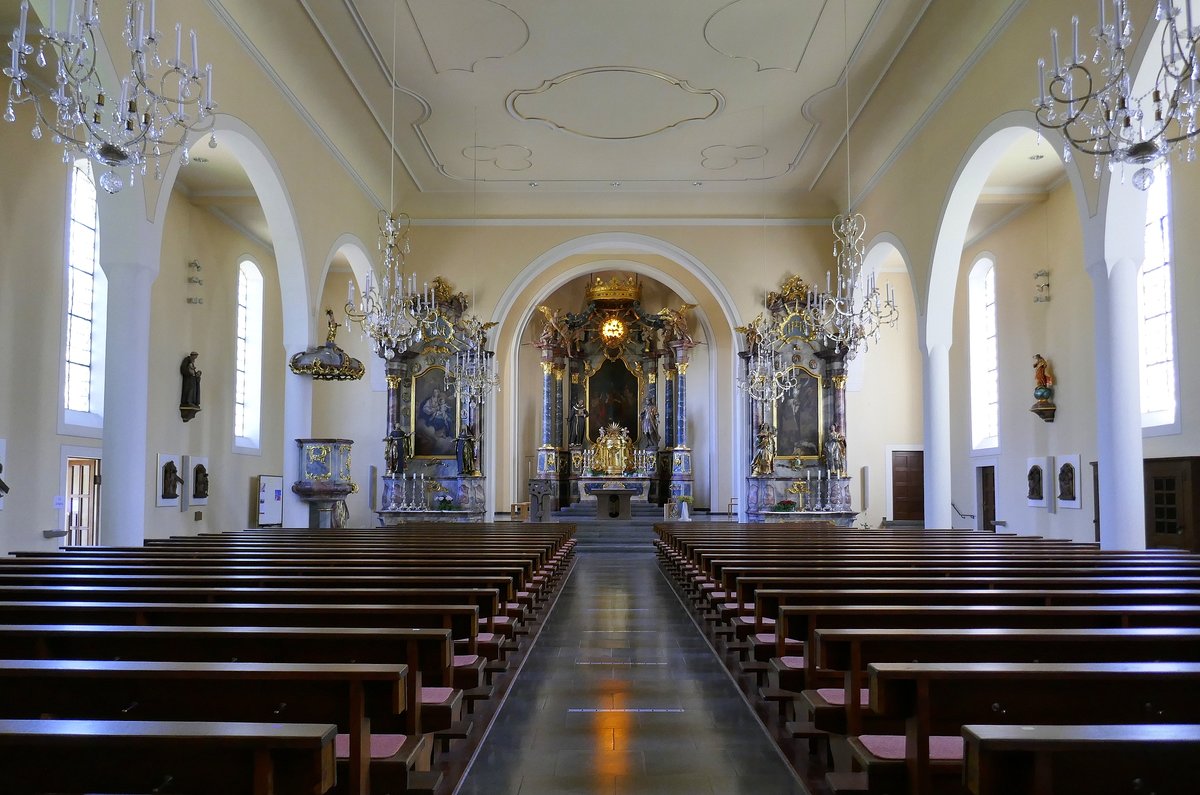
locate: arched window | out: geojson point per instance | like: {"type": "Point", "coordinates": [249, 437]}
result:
{"type": "Point", "coordinates": [1156, 330]}
{"type": "Point", "coordinates": [86, 307]}
{"type": "Point", "coordinates": [248, 357]}
{"type": "Point", "coordinates": [985, 379]}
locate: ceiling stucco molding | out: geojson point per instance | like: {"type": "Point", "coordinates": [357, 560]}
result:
{"type": "Point", "coordinates": [982, 48]}
{"type": "Point", "coordinates": [506, 157]}
{"type": "Point", "coordinates": [649, 81]}
{"type": "Point", "coordinates": [720, 157]}
{"type": "Point", "coordinates": [253, 51]}
{"type": "Point", "coordinates": [437, 21]}
{"type": "Point", "coordinates": [742, 15]}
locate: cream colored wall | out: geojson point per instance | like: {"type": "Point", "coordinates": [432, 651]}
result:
{"type": "Point", "coordinates": [883, 404]}
{"type": "Point", "coordinates": [177, 327]}
{"type": "Point", "coordinates": [32, 267]}
{"type": "Point", "coordinates": [1047, 236]}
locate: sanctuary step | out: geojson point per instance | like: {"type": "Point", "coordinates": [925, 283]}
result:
{"type": "Point", "coordinates": [586, 509]}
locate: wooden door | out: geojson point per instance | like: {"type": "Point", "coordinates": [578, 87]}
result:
{"type": "Point", "coordinates": [908, 485]}
{"type": "Point", "coordinates": [1170, 506]}
{"type": "Point", "coordinates": [987, 499]}
{"type": "Point", "coordinates": [83, 502]}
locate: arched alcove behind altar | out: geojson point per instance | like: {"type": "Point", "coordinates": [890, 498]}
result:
{"type": "Point", "coordinates": [556, 279]}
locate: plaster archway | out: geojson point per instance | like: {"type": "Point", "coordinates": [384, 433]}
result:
{"type": "Point", "coordinates": [687, 277]}
{"type": "Point", "coordinates": [936, 328]}
{"type": "Point", "coordinates": [297, 310]}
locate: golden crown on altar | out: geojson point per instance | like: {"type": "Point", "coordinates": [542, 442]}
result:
{"type": "Point", "coordinates": [618, 288]}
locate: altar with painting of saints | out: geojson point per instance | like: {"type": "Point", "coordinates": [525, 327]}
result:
{"type": "Point", "coordinates": [796, 394]}
{"type": "Point", "coordinates": [610, 434]}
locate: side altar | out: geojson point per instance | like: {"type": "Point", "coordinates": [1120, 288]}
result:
{"type": "Point", "coordinates": [795, 383]}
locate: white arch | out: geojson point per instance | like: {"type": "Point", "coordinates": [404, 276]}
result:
{"type": "Point", "coordinates": [936, 332]}
{"type": "Point", "coordinates": [513, 318]}
{"type": "Point", "coordinates": [882, 247]}
{"type": "Point", "coordinates": [297, 309]}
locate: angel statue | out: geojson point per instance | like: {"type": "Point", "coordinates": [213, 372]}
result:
{"type": "Point", "coordinates": [476, 330]}
{"type": "Point", "coordinates": [753, 334]}
{"type": "Point", "coordinates": [675, 322]}
{"type": "Point", "coordinates": [555, 329]}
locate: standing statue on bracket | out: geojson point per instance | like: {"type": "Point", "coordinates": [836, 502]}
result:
{"type": "Point", "coordinates": [1043, 389]}
{"type": "Point", "coordinates": [465, 449]}
{"type": "Point", "coordinates": [675, 323]}
{"type": "Point", "coordinates": [763, 464]}
{"type": "Point", "coordinates": [555, 331]}
{"type": "Point", "coordinates": [189, 396]}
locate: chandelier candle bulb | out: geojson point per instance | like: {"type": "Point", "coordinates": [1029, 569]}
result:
{"type": "Point", "coordinates": [71, 17]}
{"type": "Point", "coordinates": [153, 27]}
{"type": "Point", "coordinates": [24, 19]}
{"type": "Point", "coordinates": [53, 18]}
{"type": "Point", "coordinates": [195, 54]}
{"type": "Point", "coordinates": [140, 38]}
{"type": "Point", "coordinates": [1054, 51]}
{"type": "Point", "coordinates": [1074, 41]}
{"type": "Point", "coordinates": [208, 103]}
{"type": "Point", "coordinates": [178, 43]}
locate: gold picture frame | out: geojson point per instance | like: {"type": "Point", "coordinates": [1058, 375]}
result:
{"type": "Point", "coordinates": [613, 394]}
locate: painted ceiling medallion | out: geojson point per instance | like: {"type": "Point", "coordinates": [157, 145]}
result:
{"type": "Point", "coordinates": [458, 34]}
{"type": "Point", "coordinates": [615, 103]}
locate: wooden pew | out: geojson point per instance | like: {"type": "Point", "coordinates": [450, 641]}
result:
{"type": "Point", "coordinates": [1051, 760]}
{"type": "Point", "coordinates": [363, 700]}
{"type": "Point", "coordinates": [848, 652]}
{"type": "Point", "coordinates": [935, 700]}
{"type": "Point", "coordinates": [78, 756]}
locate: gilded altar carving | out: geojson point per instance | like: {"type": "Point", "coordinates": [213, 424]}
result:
{"type": "Point", "coordinates": [612, 453]}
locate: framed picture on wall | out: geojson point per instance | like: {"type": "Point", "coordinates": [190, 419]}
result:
{"type": "Point", "coordinates": [168, 481]}
{"type": "Point", "coordinates": [1068, 486]}
{"type": "Point", "coordinates": [1039, 487]}
{"type": "Point", "coordinates": [434, 420]}
{"type": "Point", "coordinates": [798, 419]}
{"type": "Point", "coordinates": [195, 475]}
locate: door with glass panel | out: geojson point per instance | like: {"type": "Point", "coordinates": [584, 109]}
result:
{"type": "Point", "coordinates": [82, 508]}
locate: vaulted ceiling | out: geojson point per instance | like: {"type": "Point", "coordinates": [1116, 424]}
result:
{"type": "Point", "coordinates": [612, 108]}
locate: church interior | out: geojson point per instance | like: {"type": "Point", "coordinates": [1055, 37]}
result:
{"type": "Point", "coordinates": [484, 272]}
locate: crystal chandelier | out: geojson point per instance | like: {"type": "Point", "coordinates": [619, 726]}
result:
{"type": "Point", "coordinates": [767, 377]}
{"type": "Point", "coordinates": [851, 312]}
{"type": "Point", "coordinates": [1095, 109]}
{"type": "Point", "coordinates": [159, 109]}
{"type": "Point", "coordinates": [471, 371]}
{"type": "Point", "coordinates": [394, 312]}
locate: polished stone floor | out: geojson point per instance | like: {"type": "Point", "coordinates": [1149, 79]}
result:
{"type": "Point", "coordinates": [622, 694]}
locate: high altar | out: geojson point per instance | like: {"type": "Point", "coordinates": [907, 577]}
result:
{"type": "Point", "coordinates": [797, 455]}
{"type": "Point", "coordinates": [608, 435]}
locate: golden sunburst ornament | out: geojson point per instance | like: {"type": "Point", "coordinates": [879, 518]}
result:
{"type": "Point", "coordinates": [614, 331]}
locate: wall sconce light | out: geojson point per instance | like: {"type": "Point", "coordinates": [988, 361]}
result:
{"type": "Point", "coordinates": [1041, 287]}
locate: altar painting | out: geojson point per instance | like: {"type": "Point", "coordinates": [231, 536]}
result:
{"type": "Point", "coordinates": [434, 419]}
{"type": "Point", "coordinates": [612, 397]}
{"type": "Point", "coordinates": [798, 420]}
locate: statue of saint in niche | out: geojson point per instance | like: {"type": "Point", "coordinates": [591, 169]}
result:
{"type": "Point", "coordinates": [1035, 484]}
{"type": "Point", "coordinates": [170, 481]}
{"type": "Point", "coordinates": [1066, 483]}
{"type": "Point", "coordinates": [189, 396]}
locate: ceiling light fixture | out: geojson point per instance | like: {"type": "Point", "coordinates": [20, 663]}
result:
{"type": "Point", "coordinates": [1095, 108]}
{"type": "Point", "coordinates": [156, 113]}
{"type": "Point", "coordinates": [394, 312]}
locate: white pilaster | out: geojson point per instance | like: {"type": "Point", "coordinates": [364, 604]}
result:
{"type": "Point", "coordinates": [126, 403]}
{"type": "Point", "coordinates": [1118, 407]}
{"type": "Point", "coordinates": [935, 361]}
{"type": "Point", "coordinates": [297, 424]}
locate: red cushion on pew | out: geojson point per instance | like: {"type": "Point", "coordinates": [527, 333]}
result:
{"type": "Point", "coordinates": [461, 660]}
{"type": "Point", "coordinates": [436, 695]}
{"type": "Point", "coordinates": [766, 621]}
{"type": "Point", "coordinates": [486, 637]}
{"type": "Point", "coordinates": [891, 746]}
{"type": "Point", "coordinates": [791, 661]}
{"type": "Point", "coordinates": [837, 696]}
{"type": "Point", "coordinates": [383, 746]}
{"type": "Point", "coordinates": [769, 637]}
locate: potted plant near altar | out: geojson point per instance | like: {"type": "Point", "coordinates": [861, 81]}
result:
{"type": "Point", "coordinates": [784, 506]}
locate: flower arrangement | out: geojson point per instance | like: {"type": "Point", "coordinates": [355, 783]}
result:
{"type": "Point", "coordinates": [784, 506]}
{"type": "Point", "coordinates": [444, 503]}
{"type": "Point", "coordinates": [684, 498]}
